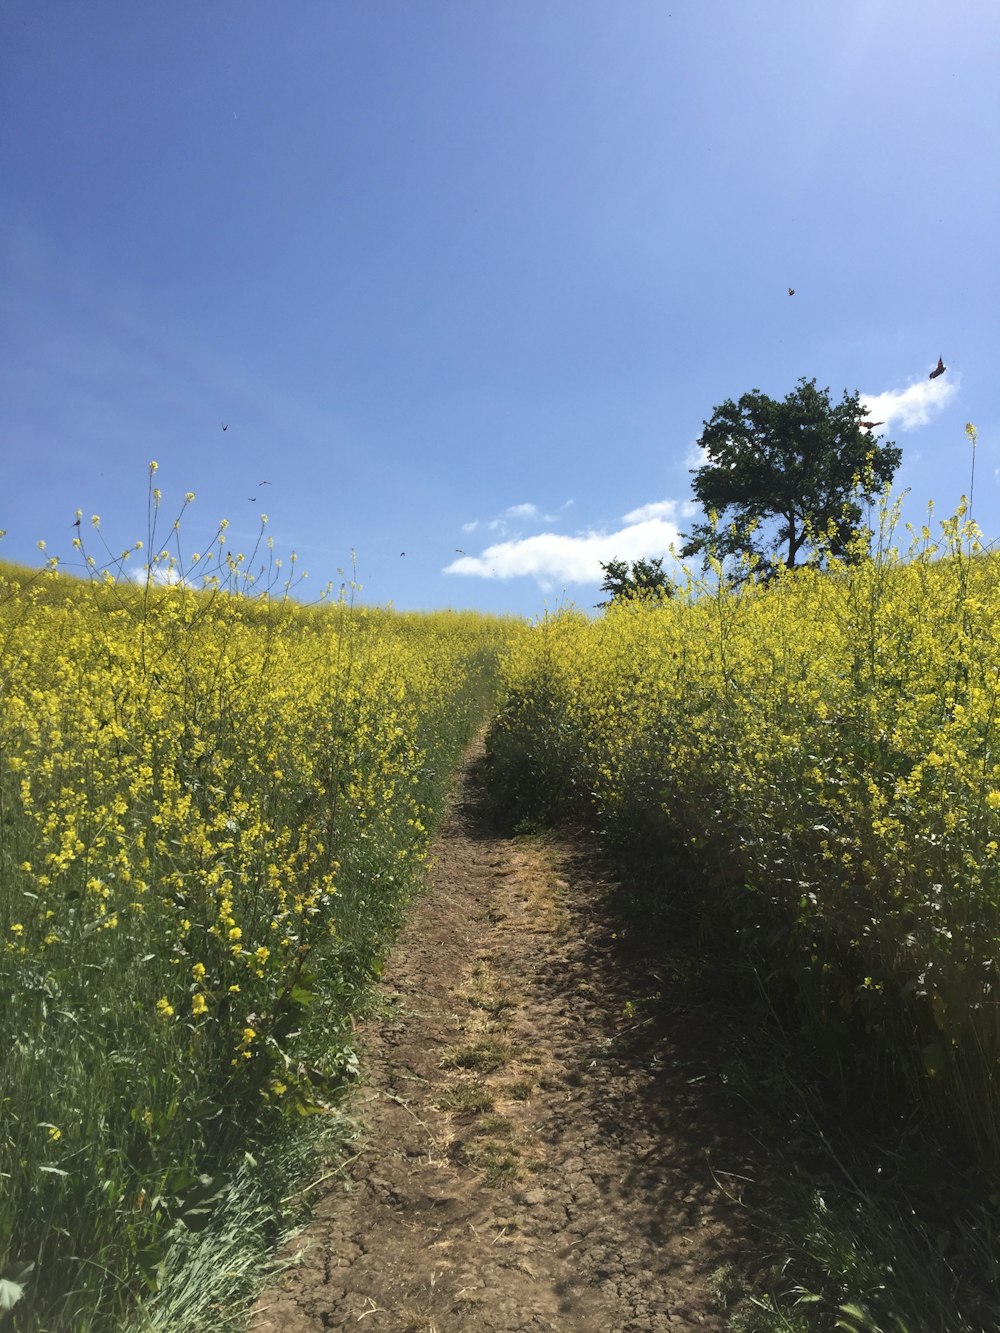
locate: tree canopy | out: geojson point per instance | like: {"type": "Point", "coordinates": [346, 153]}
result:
{"type": "Point", "coordinates": [645, 578]}
{"type": "Point", "coordinates": [781, 475]}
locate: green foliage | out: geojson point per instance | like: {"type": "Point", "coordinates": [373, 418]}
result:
{"type": "Point", "coordinates": [787, 477]}
{"type": "Point", "coordinates": [645, 579]}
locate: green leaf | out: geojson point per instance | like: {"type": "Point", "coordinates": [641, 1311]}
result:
{"type": "Point", "coordinates": [856, 1322]}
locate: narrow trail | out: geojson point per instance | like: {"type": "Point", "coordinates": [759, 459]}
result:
{"type": "Point", "coordinates": [544, 1139]}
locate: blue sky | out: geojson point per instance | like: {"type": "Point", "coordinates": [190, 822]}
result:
{"type": "Point", "coordinates": [464, 278]}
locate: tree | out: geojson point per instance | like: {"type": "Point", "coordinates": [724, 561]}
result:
{"type": "Point", "coordinates": [646, 579]}
{"type": "Point", "coordinates": [782, 476]}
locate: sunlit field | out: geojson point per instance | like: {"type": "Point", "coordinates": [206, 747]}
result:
{"type": "Point", "coordinates": [214, 803]}
{"type": "Point", "coordinates": [810, 769]}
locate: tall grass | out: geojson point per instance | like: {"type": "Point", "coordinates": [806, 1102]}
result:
{"type": "Point", "coordinates": [213, 805]}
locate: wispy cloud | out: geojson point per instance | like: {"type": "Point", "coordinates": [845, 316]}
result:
{"type": "Point", "coordinates": [553, 558]}
{"type": "Point", "coordinates": [910, 407]}
{"type": "Point", "coordinates": [509, 522]}
{"type": "Point", "coordinates": [668, 509]}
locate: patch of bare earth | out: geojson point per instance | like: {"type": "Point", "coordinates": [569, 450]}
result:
{"type": "Point", "coordinates": [541, 1150]}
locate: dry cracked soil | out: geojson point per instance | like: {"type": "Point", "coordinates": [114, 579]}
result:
{"type": "Point", "coordinates": [544, 1144]}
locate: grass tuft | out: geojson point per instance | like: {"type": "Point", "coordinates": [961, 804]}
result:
{"type": "Point", "coordinates": [485, 1056]}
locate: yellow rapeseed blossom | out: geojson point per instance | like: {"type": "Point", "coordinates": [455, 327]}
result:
{"type": "Point", "coordinates": [827, 744]}
{"type": "Point", "coordinates": [203, 775]}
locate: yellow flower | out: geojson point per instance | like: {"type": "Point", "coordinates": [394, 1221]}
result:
{"type": "Point", "coordinates": [199, 1005]}
{"type": "Point", "coordinates": [164, 1008]}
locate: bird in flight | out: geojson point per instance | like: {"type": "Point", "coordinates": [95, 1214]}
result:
{"type": "Point", "coordinates": [939, 369]}
{"type": "Point", "coordinates": [870, 425]}
{"type": "Point", "coordinates": [225, 425]}
{"type": "Point", "coordinates": [264, 483]}
{"type": "Point", "coordinates": [402, 553]}
{"type": "Point", "coordinates": [459, 551]}
{"type": "Point", "coordinates": [791, 291]}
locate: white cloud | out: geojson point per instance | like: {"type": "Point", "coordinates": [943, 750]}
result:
{"type": "Point", "coordinates": [696, 456]}
{"type": "Point", "coordinates": [909, 407]}
{"type": "Point", "coordinates": [657, 509]}
{"type": "Point", "coordinates": [514, 512]}
{"type": "Point", "coordinates": [552, 558]}
{"type": "Point", "coordinates": [668, 509]}
{"type": "Point", "coordinates": [165, 575]}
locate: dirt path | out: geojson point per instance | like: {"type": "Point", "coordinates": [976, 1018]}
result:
{"type": "Point", "coordinates": [544, 1143]}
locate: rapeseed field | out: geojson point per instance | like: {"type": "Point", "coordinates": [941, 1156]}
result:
{"type": "Point", "coordinates": [809, 765]}
{"type": "Point", "coordinates": [214, 803]}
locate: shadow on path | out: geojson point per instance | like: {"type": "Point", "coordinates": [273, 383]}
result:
{"type": "Point", "coordinates": [548, 1144]}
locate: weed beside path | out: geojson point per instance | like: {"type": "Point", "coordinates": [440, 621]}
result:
{"type": "Point", "coordinates": [543, 1148]}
